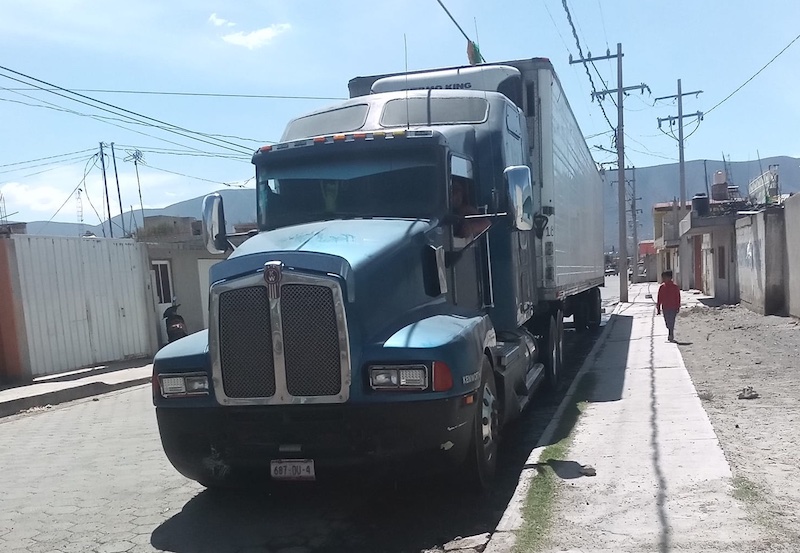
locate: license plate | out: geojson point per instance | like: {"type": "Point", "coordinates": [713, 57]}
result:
{"type": "Point", "coordinates": [292, 469]}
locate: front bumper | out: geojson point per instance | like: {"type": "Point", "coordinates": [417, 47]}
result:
{"type": "Point", "coordinates": [206, 443]}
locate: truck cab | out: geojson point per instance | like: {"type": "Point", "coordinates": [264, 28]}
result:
{"type": "Point", "coordinates": [387, 311]}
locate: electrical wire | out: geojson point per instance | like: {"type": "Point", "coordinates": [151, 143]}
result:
{"type": "Point", "coordinates": [754, 75]}
{"type": "Point", "coordinates": [187, 176]}
{"type": "Point", "coordinates": [106, 120]}
{"type": "Point", "coordinates": [598, 134]}
{"type": "Point", "coordinates": [85, 174]}
{"type": "Point", "coordinates": [580, 52]}
{"type": "Point", "coordinates": [200, 94]}
{"type": "Point", "coordinates": [564, 42]}
{"type": "Point", "coordinates": [45, 164]}
{"type": "Point", "coordinates": [48, 170]}
{"type": "Point", "coordinates": [48, 157]}
{"type": "Point", "coordinates": [175, 129]}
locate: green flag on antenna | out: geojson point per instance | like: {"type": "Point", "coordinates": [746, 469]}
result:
{"type": "Point", "coordinates": [473, 53]}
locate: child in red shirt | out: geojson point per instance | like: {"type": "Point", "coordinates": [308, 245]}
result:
{"type": "Point", "coordinates": [669, 300]}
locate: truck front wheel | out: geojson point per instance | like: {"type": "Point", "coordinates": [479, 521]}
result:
{"type": "Point", "coordinates": [481, 462]}
{"type": "Point", "coordinates": [555, 350]}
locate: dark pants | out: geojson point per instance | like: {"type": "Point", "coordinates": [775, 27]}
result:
{"type": "Point", "coordinates": [669, 319]}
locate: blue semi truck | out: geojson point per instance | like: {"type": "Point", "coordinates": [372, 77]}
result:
{"type": "Point", "coordinates": [418, 248]}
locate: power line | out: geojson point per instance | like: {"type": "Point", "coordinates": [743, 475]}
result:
{"type": "Point", "coordinates": [66, 164]}
{"type": "Point", "coordinates": [754, 75]}
{"type": "Point", "coordinates": [580, 53]}
{"type": "Point", "coordinates": [45, 164]}
{"type": "Point", "coordinates": [48, 157]}
{"type": "Point", "coordinates": [106, 119]}
{"type": "Point", "coordinates": [102, 119]}
{"type": "Point", "coordinates": [85, 173]}
{"type": "Point", "coordinates": [603, 21]}
{"type": "Point", "coordinates": [555, 25]}
{"type": "Point", "coordinates": [187, 176]}
{"type": "Point", "coordinates": [649, 151]}
{"type": "Point", "coordinates": [193, 94]}
{"type": "Point", "coordinates": [169, 127]}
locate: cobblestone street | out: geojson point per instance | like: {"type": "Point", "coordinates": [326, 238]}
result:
{"type": "Point", "coordinates": [90, 476]}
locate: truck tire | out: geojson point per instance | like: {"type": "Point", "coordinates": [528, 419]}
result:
{"type": "Point", "coordinates": [595, 308]}
{"type": "Point", "coordinates": [481, 463]}
{"type": "Point", "coordinates": [581, 316]}
{"type": "Point", "coordinates": [555, 350]}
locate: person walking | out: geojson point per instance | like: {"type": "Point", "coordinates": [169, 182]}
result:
{"type": "Point", "coordinates": [669, 301]}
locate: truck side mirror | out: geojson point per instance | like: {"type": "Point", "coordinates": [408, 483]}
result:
{"type": "Point", "coordinates": [214, 236]}
{"type": "Point", "coordinates": [520, 196]}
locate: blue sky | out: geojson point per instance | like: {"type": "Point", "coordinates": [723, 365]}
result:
{"type": "Point", "coordinates": [312, 48]}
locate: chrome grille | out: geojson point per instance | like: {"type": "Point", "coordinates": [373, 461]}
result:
{"type": "Point", "coordinates": [311, 340]}
{"type": "Point", "coordinates": [245, 343]}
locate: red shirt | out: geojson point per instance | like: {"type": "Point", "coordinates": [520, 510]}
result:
{"type": "Point", "coordinates": [669, 296]}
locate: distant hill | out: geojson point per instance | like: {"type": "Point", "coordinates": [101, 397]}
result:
{"type": "Point", "coordinates": [661, 183]}
{"type": "Point", "coordinates": [240, 207]}
{"type": "Point", "coordinates": [655, 184]}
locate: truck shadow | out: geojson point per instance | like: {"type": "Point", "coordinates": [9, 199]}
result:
{"type": "Point", "coordinates": [380, 513]}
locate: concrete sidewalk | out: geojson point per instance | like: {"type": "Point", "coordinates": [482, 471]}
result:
{"type": "Point", "coordinates": [662, 481]}
{"type": "Point", "coordinates": [60, 388]}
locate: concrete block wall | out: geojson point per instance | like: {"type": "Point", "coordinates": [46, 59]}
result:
{"type": "Point", "coordinates": [761, 257]}
{"type": "Point", "coordinates": [792, 221]}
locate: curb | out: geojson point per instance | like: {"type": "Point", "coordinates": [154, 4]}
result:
{"type": "Point", "coordinates": [84, 391]}
{"type": "Point", "coordinates": [504, 537]}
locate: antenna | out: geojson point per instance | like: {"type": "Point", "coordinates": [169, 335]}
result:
{"type": "Point", "coordinates": [3, 215]}
{"type": "Point", "coordinates": [405, 49]}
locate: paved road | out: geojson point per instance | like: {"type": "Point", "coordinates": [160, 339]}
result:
{"type": "Point", "coordinates": [91, 476]}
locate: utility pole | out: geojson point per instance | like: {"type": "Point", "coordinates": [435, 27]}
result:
{"type": "Point", "coordinates": [119, 194]}
{"type": "Point", "coordinates": [105, 188]}
{"type": "Point", "coordinates": [620, 139]}
{"type": "Point", "coordinates": [684, 251]}
{"type": "Point", "coordinates": [679, 119]}
{"type": "Point", "coordinates": [635, 224]}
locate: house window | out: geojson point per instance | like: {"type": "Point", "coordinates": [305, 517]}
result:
{"type": "Point", "coordinates": [721, 259]}
{"type": "Point", "coordinates": [163, 281]}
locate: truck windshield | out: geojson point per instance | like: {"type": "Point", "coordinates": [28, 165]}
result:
{"type": "Point", "coordinates": [409, 184]}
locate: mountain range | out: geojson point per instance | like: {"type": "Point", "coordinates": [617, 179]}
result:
{"type": "Point", "coordinates": [654, 184]}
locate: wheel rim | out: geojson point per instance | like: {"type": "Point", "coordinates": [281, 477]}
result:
{"type": "Point", "coordinates": [488, 421]}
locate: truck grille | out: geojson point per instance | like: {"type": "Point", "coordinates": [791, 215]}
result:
{"type": "Point", "coordinates": [311, 340]}
{"type": "Point", "coordinates": [245, 343]}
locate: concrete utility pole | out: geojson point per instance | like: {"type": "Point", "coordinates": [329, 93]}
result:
{"type": "Point", "coordinates": [684, 250]}
{"type": "Point", "coordinates": [105, 188]}
{"type": "Point", "coordinates": [635, 225]}
{"type": "Point", "coordinates": [119, 194]}
{"type": "Point", "coordinates": [679, 119]}
{"type": "Point", "coordinates": [623, 225]}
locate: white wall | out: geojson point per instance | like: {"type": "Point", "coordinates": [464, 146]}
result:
{"type": "Point", "coordinates": [84, 302]}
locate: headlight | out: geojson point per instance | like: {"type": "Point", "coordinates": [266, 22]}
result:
{"type": "Point", "coordinates": [180, 385]}
{"type": "Point", "coordinates": [398, 377]}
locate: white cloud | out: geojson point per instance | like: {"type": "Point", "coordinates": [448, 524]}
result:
{"type": "Point", "coordinates": [258, 38]}
{"type": "Point", "coordinates": [219, 22]}
{"type": "Point", "coordinates": [38, 199]}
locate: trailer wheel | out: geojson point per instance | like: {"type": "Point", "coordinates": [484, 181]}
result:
{"type": "Point", "coordinates": [481, 463]}
{"type": "Point", "coordinates": [555, 350]}
{"type": "Point", "coordinates": [595, 308]}
{"type": "Point", "coordinates": [581, 316]}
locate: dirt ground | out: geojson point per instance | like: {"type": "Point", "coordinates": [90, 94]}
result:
{"type": "Point", "coordinates": [727, 349]}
